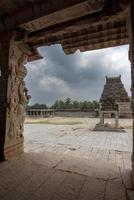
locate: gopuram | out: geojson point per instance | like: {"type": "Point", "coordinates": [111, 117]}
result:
{"type": "Point", "coordinates": [114, 102]}
{"type": "Point", "coordinates": [26, 25]}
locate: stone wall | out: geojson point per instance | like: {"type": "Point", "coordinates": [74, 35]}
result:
{"type": "Point", "coordinates": [75, 114]}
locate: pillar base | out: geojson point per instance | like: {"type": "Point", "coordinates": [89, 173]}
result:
{"type": "Point", "coordinates": [15, 148]}
{"type": "Point", "coordinates": [107, 127]}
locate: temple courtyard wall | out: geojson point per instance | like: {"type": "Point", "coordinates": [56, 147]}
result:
{"type": "Point", "coordinates": [126, 113]}
{"type": "Point", "coordinates": [75, 114]}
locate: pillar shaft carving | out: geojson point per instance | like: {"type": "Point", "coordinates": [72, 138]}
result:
{"type": "Point", "coordinates": [15, 96]}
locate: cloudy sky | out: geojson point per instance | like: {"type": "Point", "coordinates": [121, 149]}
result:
{"type": "Point", "coordinates": [79, 76]}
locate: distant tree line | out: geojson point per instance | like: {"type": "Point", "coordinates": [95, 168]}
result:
{"type": "Point", "coordinates": [69, 104]}
{"type": "Point", "coordinates": [37, 106]}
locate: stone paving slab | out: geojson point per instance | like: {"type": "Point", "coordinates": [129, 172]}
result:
{"type": "Point", "coordinates": [40, 137]}
{"type": "Point", "coordinates": [69, 163]}
{"type": "Point", "coordinates": [98, 169]}
{"type": "Point", "coordinates": [37, 180]}
{"type": "Point", "coordinates": [114, 148]}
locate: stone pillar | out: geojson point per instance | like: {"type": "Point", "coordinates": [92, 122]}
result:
{"type": "Point", "coordinates": [13, 96]}
{"type": "Point", "coordinates": [116, 120]}
{"type": "Point", "coordinates": [4, 54]}
{"type": "Point", "coordinates": [101, 118]}
{"type": "Point", "coordinates": [42, 114]}
{"type": "Point", "coordinates": [130, 28]}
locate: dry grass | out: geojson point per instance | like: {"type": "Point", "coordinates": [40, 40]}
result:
{"type": "Point", "coordinates": [54, 121]}
{"type": "Point", "coordinates": [85, 122]}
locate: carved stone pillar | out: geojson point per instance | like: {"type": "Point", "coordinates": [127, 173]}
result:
{"type": "Point", "coordinates": [4, 53]}
{"type": "Point", "coordinates": [116, 120]}
{"type": "Point", "coordinates": [130, 28]}
{"type": "Point", "coordinates": [101, 118]}
{"type": "Point", "coordinates": [13, 97]}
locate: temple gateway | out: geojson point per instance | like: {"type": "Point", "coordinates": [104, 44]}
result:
{"type": "Point", "coordinates": [114, 96]}
{"type": "Point", "coordinates": [114, 102]}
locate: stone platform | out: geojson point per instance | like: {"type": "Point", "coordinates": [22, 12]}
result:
{"type": "Point", "coordinates": [104, 127]}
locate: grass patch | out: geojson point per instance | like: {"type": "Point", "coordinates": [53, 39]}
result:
{"type": "Point", "coordinates": [54, 123]}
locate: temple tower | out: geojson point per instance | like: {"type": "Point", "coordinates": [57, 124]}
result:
{"type": "Point", "coordinates": [115, 97]}
{"type": "Point", "coordinates": [114, 102]}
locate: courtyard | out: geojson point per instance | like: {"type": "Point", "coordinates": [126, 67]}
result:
{"type": "Point", "coordinates": [66, 160]}
{"type": "Point", "coordinates": [75, 137]}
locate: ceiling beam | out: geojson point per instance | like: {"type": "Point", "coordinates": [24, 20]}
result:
{"type": "Point", "coordinates": [91, 41]}
{"type": "Point", "coordinates": [98, 20]}
{"type": "Point", "coordinates": [88, 33]}
{"type": "Point", "coordinates": [95, 46]}
{"type": "Point", "coordinates": [33, 12]}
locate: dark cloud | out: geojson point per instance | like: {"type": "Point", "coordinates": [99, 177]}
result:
{"type": "Point", "coordinates": [79, 76]}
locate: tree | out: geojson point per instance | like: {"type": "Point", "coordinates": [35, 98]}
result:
{"type": "Point", "coordinates": [75, 104]}
{"type": "Point", "coordinates": [55, 105]}
{"type": "Point", "coordinates": [96, 105]}
{"type": "Point", "coordinates": [68, 103]}
{"type": "Point", "coordinates": [37, 106]}
{"type": "Point", "coordinates": [84, 105]}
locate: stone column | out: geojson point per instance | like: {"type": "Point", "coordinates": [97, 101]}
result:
{"type": "Point", "coordinates": [116, 120]}
{"type": "Point", "coordinates": [13, 96]}
{"type": "Point", "coordinates": [101, 118]}
{"type": "Point", "coordinates": [4, 53]}
{"type": "Point", "coordinates": [130, 28]}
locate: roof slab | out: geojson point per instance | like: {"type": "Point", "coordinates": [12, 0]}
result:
{"type": "Point", "coordinates": [75, 24]}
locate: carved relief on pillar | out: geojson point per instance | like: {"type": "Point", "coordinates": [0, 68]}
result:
{"type": "Point", "coordinates": [17, 97]}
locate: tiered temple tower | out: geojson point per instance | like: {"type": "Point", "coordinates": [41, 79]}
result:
{"type": "Point", "coordinates": [115, 98]}
{"type": "Point", "coordinates": [114, 102]}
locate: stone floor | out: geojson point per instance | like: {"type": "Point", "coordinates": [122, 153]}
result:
{"type": "Point", "coordinates": [69, 163]}
{"type": "Point", "coordinates": [49, 176]}
{"type": "Point", "coordinates": [79, 141]}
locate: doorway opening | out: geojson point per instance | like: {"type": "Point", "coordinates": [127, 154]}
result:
{"type": "Point", "coordinates": [68, 133]}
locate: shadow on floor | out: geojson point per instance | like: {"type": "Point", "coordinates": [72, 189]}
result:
{"type": "Point", "coordinates": [48, 176]}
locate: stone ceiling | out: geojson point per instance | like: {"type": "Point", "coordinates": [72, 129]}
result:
{"type": "Point", "coordinates": [75, 24]}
